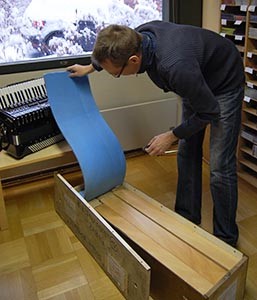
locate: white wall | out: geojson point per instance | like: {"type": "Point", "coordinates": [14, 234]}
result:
{"type": "Point", "coordinates": [127, 90]}
{"type": "Point", "coordinates": [108, 91]}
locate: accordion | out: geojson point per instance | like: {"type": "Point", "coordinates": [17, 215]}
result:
{"type": "Point", "coordinates": [27, 124]}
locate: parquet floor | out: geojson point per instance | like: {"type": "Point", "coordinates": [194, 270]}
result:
{"type": "Point", "coordinates": [41, 258]}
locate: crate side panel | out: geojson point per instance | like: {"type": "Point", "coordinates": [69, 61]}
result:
{"type": "Point", "coordinates": [126, 269]}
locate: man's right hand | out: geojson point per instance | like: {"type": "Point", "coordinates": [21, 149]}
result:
{"type": "Point", "coordinates": [80, 70]}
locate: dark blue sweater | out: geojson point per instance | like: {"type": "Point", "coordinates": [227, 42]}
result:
{"type": "Point", "coordinates": [195, 63]}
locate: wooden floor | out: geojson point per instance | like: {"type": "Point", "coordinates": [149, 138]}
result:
{"type": "Point", "coordinates": [41, 258]}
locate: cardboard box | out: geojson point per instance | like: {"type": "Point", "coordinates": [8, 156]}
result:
{"type": "Point", "coordinates": [147, 249]}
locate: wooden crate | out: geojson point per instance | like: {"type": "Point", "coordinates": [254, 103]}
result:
{"type": "Point", "coordinates": [126, 231]}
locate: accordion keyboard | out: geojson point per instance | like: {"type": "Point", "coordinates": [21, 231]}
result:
{"type": "Point", "coordinates": [26, 121]}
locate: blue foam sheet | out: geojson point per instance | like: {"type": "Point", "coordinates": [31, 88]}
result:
{"type": "Point", "coordinates": [94, 144]}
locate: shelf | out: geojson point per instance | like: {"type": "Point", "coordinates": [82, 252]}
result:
{"type": "Point", "coordinates": [248, 99]}
{"type": "Point", "coordinates": [249, 164]}
{"type": "Point", "coordinates": [247, 151]}
{"type": "Point", "coordinates": [240, 48]}
{"type": "Point", "coordinates": [235, 21]}
{"type": "Point", "coordinates": [248, 178]}
{"type": "Point", "coordinates": [250, 70]}
{"type": "Point", "coordinates": [251, 83]}
{"type": "Point", "coordinates": [251, 111]}
{"type": "Point", "coordinates": [251, 52]}
{"type": "Point", "coordinates": [236, 37]}
{"type": "Point", "coordinates": [252, 99]}
{"type": "Point", "coordinates": [57, 155]}
{"type": "Point", "coordinates": [242, 7]}
{"type": "Point", "coordinates": [252, 37]}
{"type": "Point", "coordinates": [250, 124]}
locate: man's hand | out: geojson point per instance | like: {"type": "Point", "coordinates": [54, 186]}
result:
{"type": "Point", "coordinates": [161, 143]}
{"type": "Point", "coordinates": [79, 70]}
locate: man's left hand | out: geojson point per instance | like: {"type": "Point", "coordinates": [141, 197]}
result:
{"type": "Point", "coordinates": [161, 143]}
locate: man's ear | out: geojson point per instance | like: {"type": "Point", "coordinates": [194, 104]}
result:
{"type": "Point", "coordinates": [135, 59]}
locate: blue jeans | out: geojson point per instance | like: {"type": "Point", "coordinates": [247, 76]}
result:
{"type": "Point", "coordinates": [223, 168]}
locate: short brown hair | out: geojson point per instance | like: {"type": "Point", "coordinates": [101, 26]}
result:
{"type": "Point", "coordinates": [117, 43]}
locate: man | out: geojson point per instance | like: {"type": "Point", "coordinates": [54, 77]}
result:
{"type": "Point", "coordinates": [206, 70]}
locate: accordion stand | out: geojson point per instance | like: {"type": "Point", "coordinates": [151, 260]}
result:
{"type": "Point", "coordinates": [39, 165]}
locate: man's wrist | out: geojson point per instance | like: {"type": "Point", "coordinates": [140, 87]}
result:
{"type": "Point", "coordinates": [174, 137]}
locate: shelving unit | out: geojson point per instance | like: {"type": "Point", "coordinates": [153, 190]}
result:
{"type": "Point", "coordinates": [239, 24]}
{"type": "Point", "coordinates": [233, 22]}
{"type": "Point", "coordinates": [247, 152]}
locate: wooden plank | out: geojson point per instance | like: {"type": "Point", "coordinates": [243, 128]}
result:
{"type": "Point", "coordinates": [3, 216]}
{"type": "Point", "coordinates": [193, 235]}
{"type": "Point", "coordinates": [55, 156]}
{"type": "Point", "coordinates": [163, 259]}
{"type": "Point", "coordinates": [120, 208]}
{"type": "Point", "coordinates": [186, 262]}
{"type": "Point", "coordinates": [175, 273]}
{"type": "Point", "coordinates": [123, 265]}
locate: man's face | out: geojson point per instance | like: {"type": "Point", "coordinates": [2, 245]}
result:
{"type": "Point", "coordinates": [131, 67]}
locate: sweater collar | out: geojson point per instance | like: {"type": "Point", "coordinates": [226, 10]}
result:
{"type": "Point", "coordinates": [148, 51]}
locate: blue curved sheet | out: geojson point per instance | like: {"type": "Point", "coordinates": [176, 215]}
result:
{"type": "Point", "coordinates": [94, 144]}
